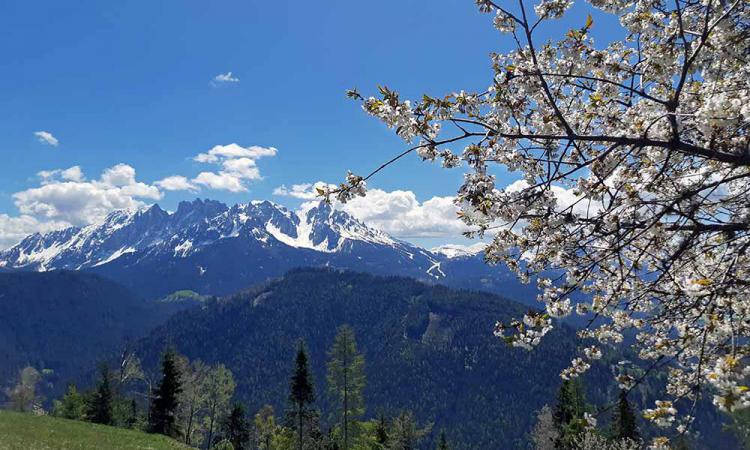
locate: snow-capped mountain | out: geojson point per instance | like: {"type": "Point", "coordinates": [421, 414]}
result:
{"type": "Point", "coordinates": [216, 249]}
{"type": "Point", "coordinates": [459, 251]}
{"type": "Point", "coordinates": [213, 249]}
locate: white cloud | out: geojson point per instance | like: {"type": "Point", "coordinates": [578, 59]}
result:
{"type": "Point", "coordinates": [238, 166]}
{"type": "Point", "coordinates": [224, 78]}
{"type": "Point", "coordinates": [45, 137]}
{"type": "Point", "coordinates": [176, 183]}
{"type": "Point", "coordinates": [231, 151]}
{"type": "Point", "coordinates": [398, 213]}
{"type": "Point", "coordinates": [304, 191]}
{"type": "Point", "coordinates": [566, 198]}
{"type": "Point", "coordinates": [220, 181]}
{"type": "Point", "coordinates": [14, 229]}
{"type": "Point", "coordinates": [244, 168]}
{"type": "Point", "coordinates": [52, 176]}
{"type": "Point", "coordinates": [64, 196]}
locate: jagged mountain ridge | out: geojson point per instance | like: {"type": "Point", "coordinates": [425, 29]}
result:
{"type": "Point", "coordinates": [194, 225]}
{"type": "Point", "coordinates": [211, 248]}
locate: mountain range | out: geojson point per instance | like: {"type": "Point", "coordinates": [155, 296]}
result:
{"type": "Point", "coordinates": [210, 248]}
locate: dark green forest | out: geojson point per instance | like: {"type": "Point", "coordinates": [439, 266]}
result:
{"type": "Point", "coordinates": [429, 366]}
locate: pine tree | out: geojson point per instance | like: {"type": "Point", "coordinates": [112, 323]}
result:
{"type": "Point", "coordinates": [100, 409]}
{"type": "Point", "coordinates": [301, 395]}
{"type": "Point", "coordinates": [624, 420]}
{"type": "Point", "coordinates": [236, 428]}
{"type": "Point", "coordinates": [346, 380]}
{"type": "Point", "coordinates": [72, 406]}
{"type": "Point", "coordinates": [568, 413]}
{"type": "Point", "coordinates": [163, 415]}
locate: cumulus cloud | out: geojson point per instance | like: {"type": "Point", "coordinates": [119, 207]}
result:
{"type": "Point", "coordinates": [238, 165]}
{"type": "Point", "coordinates": [231, 151]}
{"type": "Point", "coordinates": [51, 176]}
{"type": "Point", "coordinates": [14, 229]}
{"type": "Point", "coordinates": [176, 183]}
{"type": "Point", "coordinates": [224, 78]}
{"type": "Point", "coordinates": [65, 195]}
{"type": "Point", "coordinates": [566, 198]}
{"type": "Point", "coordinates": [398, 213]}
{"type": "Point", "coordinates": [45, 137]}
{"type": "Point", "coordinates": [220, 181]}
{"type": "Point", "coordinates": [304, 191]}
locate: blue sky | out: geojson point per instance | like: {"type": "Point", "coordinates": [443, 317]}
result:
{"type": "Point", "coordinates": [131, 83]}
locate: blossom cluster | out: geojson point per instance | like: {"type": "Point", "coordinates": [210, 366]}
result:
{"type": "Point", "coordinates": [633, 167]}
{"type": "Point", "coordinates": [663, 415]}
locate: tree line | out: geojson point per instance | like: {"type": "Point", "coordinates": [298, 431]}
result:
{"type": "Point", "coordinates": [194, 402]}
{"type": "Point", "coordinates": [572, 424]}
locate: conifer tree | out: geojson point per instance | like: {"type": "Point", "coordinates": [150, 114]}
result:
{"type": "Point", "coordinates": [346, 380]}
{"type": "Point", "coordinates": [624, 420]}
{"type": "Point", "coordinates": [72, 406]}
{"type": "Point", "coordinates": [163, 416]}
{"type": "Point", "coordinates": [301, 395]}
{"type": "Point", "coordinates": [569, 412]}
{"type": "Point", "coordinates": [236, 428]}
{"type": "Point", "coordinates": [100, 409]}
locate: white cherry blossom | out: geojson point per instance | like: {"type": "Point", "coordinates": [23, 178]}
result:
{"type": "Point", "coordinates": [633, 166]}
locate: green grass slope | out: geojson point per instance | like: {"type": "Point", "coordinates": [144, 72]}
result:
{"type": "Point", "coordinates": [25, 432]}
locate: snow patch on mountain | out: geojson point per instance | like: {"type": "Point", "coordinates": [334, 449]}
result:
{"type": "Point", "coordinates": [459, 251]}
{"type": "Point", "coordinates": [195, 226]}
{"type": "Point", "coordinates": [435, 270]}
{"type": "Point", "coordinates": [116, 254]}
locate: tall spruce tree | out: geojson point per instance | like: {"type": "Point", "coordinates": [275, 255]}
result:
{"type": "Point", "coordinates": [346, 380]}
{"type": "Point", "coordinates": [100, 409]}
{"type": "Point", "coordinates": [301, 395]}
{"type": "Point", "coordinates": [163, 415]}
{"type": "Point", "coordinates": [236, 428]}
{"type": "Point", "coordinates": [624, 421]}
{"type": "Point", "coordinates": [569, 412]}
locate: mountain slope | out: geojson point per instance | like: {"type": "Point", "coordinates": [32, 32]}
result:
{"type": "Point", "coordinates": [210, 248]}
{"type": "Point", "coordinates": [66, 321]}
{"type": "Point", "coordinates": [427, 348]}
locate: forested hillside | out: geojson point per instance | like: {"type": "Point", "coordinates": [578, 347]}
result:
{"type": "Point", "coordinates": [427, 349]}
{"type": "Point", "coordinates": [64, 322]}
